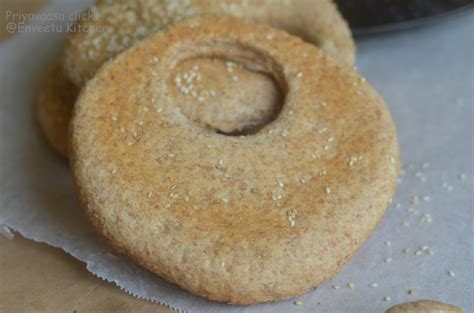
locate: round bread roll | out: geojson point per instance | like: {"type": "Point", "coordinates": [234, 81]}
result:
{"type": "Point", "coordinates": [112, 26]}
{"type": "Point", "coordinates": [55, 101]}
{"type": "Point", "coordinates": [238, 219]}
{"type": "Point", "coordinates": [424, 306]}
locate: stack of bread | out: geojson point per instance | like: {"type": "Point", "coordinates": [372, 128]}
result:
{"type": "Point", "coordinates": [228, 146]}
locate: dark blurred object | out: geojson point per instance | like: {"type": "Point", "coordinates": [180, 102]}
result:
{"type": "Point", "coordinates": [371, 16]}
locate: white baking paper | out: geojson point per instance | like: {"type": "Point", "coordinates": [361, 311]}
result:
{"type": "Point", "coordinates": [426, 76]}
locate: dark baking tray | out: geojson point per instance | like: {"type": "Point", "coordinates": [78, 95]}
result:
{"type": "Point", "coordinates": [374, 16]}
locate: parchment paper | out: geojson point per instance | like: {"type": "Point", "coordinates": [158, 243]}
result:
{"type": "Point", "coordinates": [427, 78]}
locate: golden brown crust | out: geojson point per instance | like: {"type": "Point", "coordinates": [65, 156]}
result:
{"type": "Point", "coordinates": [234, 219]}
{"type": "Point", "coordinates": [120, 24]}
{"type": "Point", "coordinates": [54, 107]}
{"type": "Point", "coordinates": [424, 306]}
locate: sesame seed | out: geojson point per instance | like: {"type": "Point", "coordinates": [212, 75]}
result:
{"type": "Point", "coordinates": [330, 139]}
{"type": "Point", "coordinates": [447, 186]}
{"type": "Point", "coordinates": [156, 59]}
{"type": "Point", "coordinates": [387, 299]}
{"type": "Point", "coordinates": [392, 160]}
{"type": "Point", "coordinates": [326, 148]}
{"type": "Point", "coordinates": [159, 110]}
{"type": "Point", "coordinates": [149, 194]}
{"type": "Point", "coordinates": [225, 200]}
{"type": "Point", "coordinates": [277, 197]}
{"type": "Point", "coordinates": [172, 195]}
{"type": "Point", "coordinates": [300, 74]}
{"type": "Point", "coordinates": [322, 130]}
{"type": "Point", "coordinates": [113, 118]}
{"type": "Point", "coordinates": [284, 133]}
{"type": "Point", "coordinates": [426, 218]}
{"type": "Point", "coordinates": [418, 252]}
{"type": "Point", "coordinates": [303, 181]}
{"type": "Point", "coordinates": [235, 78]}
{"type": "Point", "coordinates": [281, 184]}
{"type": "Point", "coordinates": [269, 36]}
{"type": "Point", "coordinates": [291, 215]}
{"type": "Point", "coordinates": [451, 273]}
{"type": "Point", "coordinates": [328, 190]}
{"type": "Point", "coordinates": [354, 159]}
{"type": "Point", "coordinates": [373, 285]}
{"type": "Point", "coordinates": [298, 302]}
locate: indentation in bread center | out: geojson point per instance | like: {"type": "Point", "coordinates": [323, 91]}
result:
{"type": "Point", "coordinates": [228, 96]}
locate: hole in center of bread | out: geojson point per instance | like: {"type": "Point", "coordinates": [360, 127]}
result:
{"type": "Point", "coordinates": [224, 95]}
